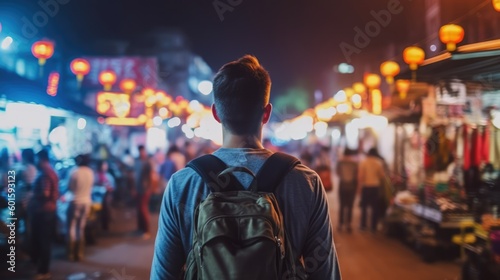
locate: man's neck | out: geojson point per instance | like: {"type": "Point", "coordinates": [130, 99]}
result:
{"type": "Point", "coordinates": [242, 141]}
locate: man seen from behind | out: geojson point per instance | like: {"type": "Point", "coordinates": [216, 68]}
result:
{"type": "Point", "coordinates": [241, 105]}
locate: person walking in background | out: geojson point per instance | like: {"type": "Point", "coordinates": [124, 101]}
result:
{"type": "Point", "coordinates": [176, 155]}
{"type": "Point", "coordinates": [146, 181]}
{"type": "Point", "coordinates": [24, 191]}
{"type": "Point", "coordinates": [42, 212]}
{"type": "Point", "coordinates": [167, 168]}
{"type": "Point", "coordinates": [347, 171]}
{"type": "Point", "coordinates": [322, 164]}
{"type": "Point", "coordinates": [105, 179]}
{"type": "Point", "coordinates": [371, 174]}
{"type": "Point", "coordinates": [81, 182]}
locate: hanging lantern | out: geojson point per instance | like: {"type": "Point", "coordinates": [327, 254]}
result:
{"type": "Point", "coordinates": [496, 5]}
{"type": "Point", "coordinates": [451, 35]}
{"type": "Point", "coordinates": [42, 50]}
{"type": "Point", "coordinates": [389, 69]}
{"type": "Point", "coordinates": [128, 85]}
{"type": "Point", "coordinates": [80, 67]}
{"type": "Point", "coordinates": [107, 79]}
{"type": "Point", "coordinates": [372, 81]}
{"type": "Point", "coordinates": [413, 56]}
{"type": "Point", "coordinates": [402, 86]}
{"type": "Point", "coordinates": [359, 88]}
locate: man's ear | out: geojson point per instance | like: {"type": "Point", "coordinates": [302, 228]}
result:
{"type": "Point", "coordinates": [214, 113]}
{"type": "Point", "coordinates": [267, 113]}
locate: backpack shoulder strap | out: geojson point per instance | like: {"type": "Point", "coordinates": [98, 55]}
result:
{"type": "Point", "coordinates": [209, 167]}
{"type": "Point", "coordinates": [274, 169]}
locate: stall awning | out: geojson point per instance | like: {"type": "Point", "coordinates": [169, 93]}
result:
{"type": "Point", "coordinates": [478, 63]}
{"type": "Point", "coordinates": [18, 89]}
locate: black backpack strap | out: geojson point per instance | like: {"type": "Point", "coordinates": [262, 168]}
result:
{"type": "Point", "coordinates": [274, 169]}
{"type": "Point", "coordinates": [209, 167]}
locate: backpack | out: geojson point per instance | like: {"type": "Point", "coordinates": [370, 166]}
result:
{"type": "Point", "coordinates": [239, 233]}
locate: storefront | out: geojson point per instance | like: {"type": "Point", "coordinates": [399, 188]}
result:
{"type": "Point", "coordinates": [455, 206]}
{"type": "Point", "coordinates": [30, 118]}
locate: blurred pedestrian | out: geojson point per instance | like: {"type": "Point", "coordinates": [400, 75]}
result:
{"type": "Point", "coordinates": [42, 211]}
{"type": "Point", "coordinates": [81, 181]}
{"type": "Point", "coordinates": [105, 179]}
{"type": "Point", "coordinates": [306, 158]}
{"type": "Point", "coordinates": [190, 151]}
{"type": "Point", "coordinates": [177, 157]}
{"type": "Point", "coordinates": [24, 190]}
{"type": "Point", "coordinates": [322, 164]}
{"type": "Point", "coordinates": [167, 168]}
{"type": "Point", "coordinates": [127, 159]}
{"type": "Point", "coordinates": [371, 174]}
{"type": "Point", "coordinates": [146, 182]}
{"type": "Point", "coordinates": [347, 171]}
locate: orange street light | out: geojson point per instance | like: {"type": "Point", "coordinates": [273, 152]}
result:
{"type": "Point", "coordinates": [451, 35]}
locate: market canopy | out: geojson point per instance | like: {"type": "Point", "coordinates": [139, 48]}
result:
{"type": "Point", "coordinates": [479, 63]}
{"type": "Point", "coordinates": [18, 89]}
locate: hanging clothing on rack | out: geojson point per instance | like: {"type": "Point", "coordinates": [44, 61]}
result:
{"type": "Point", "coordinates": [466, 145]}
{"type": "Point", "coordinates": [486, 143]}
{"type": "Point", "coordinates": [476, 147]}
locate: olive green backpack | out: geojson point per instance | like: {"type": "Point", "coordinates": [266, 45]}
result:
{"type": "Point", "coordinates": [239, 233]}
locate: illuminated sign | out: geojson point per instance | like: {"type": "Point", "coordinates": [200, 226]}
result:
{"type": "Point", "coordinates": [53, 84]}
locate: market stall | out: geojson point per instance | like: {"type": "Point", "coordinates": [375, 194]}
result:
{"type": "Point", "coordinates": [456, 206]}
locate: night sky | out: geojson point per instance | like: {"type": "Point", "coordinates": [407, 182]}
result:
{"type": "Point", "coordinates": [297, 41]}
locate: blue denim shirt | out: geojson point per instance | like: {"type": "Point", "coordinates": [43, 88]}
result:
{"type": "Point", "coordinates": [301, 198]}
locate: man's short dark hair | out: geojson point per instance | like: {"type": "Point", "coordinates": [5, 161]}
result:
{"type": "Point", "coordinates": [241, 91]}
{"type": "Point", "coordinates": [43, 155]}
{"type": "Point", "coordinates": [140, 147]}
{"type": "Point", "coordinates": [28, 155]}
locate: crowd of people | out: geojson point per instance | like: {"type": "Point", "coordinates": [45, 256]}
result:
{"type": "Point", "coordinates": [161, 177]}
{"type": "Point", "coordinates": [48, 199]}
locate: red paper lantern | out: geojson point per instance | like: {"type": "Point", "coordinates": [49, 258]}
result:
{"type": "Point", "coordinates": [451, 35]}
{"type": "Point", "coordinates": [128, 85]}
{"type": "Point", "coordinates": [43, 50]}
{"type": "Point", "coordinates": [413, 56]}
{"type": "Point", "coordinates": [80, 67]}
{"type": "Point", "coordinates": [107, 79]}
{"type": "Point", "coordinates": [389, 69]}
